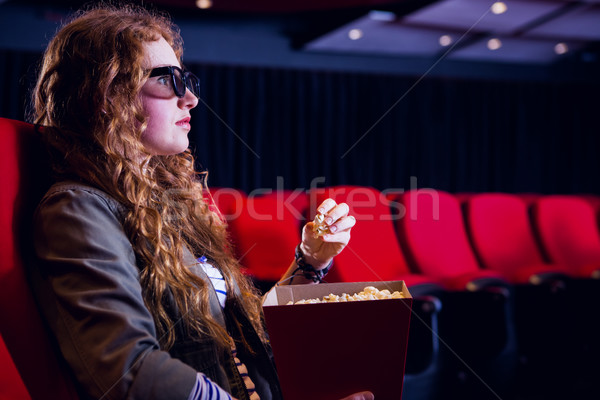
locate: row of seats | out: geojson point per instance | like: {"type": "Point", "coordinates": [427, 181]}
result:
{"type": "Point", "coordinates": [504, 284]}
{"type": "Point", "coordinates": [520, 239]}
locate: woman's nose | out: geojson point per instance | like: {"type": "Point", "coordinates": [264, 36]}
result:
{"type": "Point", "coordinates": [189, 100]}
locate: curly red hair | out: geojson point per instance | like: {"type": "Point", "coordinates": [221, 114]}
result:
{"type": "Point", "coordinates": [87, 100]}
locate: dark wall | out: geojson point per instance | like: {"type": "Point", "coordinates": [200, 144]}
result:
{"type": "Point", "coordinates": [456, 135]}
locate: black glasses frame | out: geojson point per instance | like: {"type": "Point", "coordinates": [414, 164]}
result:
{"type": "Point", "coordinates": [181, 81]}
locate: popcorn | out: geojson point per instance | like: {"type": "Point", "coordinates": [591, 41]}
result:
{"type": "Point", "coordinates": [320, 228]}
{"type": "Point", "coordinates": [368, 293]}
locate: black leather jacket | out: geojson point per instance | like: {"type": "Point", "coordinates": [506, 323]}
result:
{"type": "Point", "coordinates": [87, 282]}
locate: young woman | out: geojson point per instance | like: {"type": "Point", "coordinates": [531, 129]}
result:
{"type": "Point", "coordinates": [134, 273]}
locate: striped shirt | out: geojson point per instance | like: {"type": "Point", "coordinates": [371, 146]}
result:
{"type": "Point", "coordinates": [216, 279]}
{"type": "Point", "coordinates": [205, 389]}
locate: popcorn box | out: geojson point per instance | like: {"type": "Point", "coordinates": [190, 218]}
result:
{"type": "Point", "coordinates": [327, 351]}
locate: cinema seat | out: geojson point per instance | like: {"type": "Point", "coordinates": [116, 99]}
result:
{"type": "Point", "coordinates": [433, 236]}
{"type": "Point", "coordinates": [295, 201]}
{"type": "Point", "coordinates": [228, 202]}
{"type": "Point", "coordinates": [568, 232]}
{"type": "Point", "coordinates": [434, 220]}
{"type": "Point", "coordinates": [265, 233]}
{"type": "Point", "coordinates": [24, 179]}
{"type": "Point", "coordinates": [374, 254]}
{"type": "Point", "coordinates": [502, 235]}
{"type": "Point", "coordinates": [593, 200]}
{"type": "Point", "coordinates": [503, 239]}
{"type": "Point", "coordinates": [11, 384]}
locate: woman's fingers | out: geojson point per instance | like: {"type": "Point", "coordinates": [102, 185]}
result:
{"type": "Point", "coordinates": [343, 224]}
{"type": "Point", "coordinates": [333, 211]}
{"type": "Point", "coordinates": [360, 396]}
{"type": "Point", "coordinates": [326, 205]}
{"type": "Point", "coordinates": [337, 240]}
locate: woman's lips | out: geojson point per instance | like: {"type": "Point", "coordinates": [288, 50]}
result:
{"type": "Point", "coordinates": [184, 123]}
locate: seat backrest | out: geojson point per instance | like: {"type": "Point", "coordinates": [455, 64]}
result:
{"type": "Point", "coordinates": [265, 234]}
{"type": "Point", "coordinates": [433, 234]}
{"type": "Point", "coordinates": [11, 384]}
{"type": "Point", "coordinates": [593, 199]}
{"type": "Point", "coordinates": [529, 198]}
{"type": "Point", "coordinates": [228, 202]}
{"type": "Point", "coordinates": [295, 201]}
{"type": "Point", "coordinates": [373, 253]}
{"type": "Point", "coordinates": [568, 230]}
{"type": "Point", "coordinates": [24, 179]}
{"type": "Point", "coordinates": [501, 232]}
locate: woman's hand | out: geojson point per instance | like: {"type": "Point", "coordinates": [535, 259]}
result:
{"type": "Point", "coordinates": [319, 250]}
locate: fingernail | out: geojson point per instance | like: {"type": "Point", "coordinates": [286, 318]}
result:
{"type": "Point", "coordinates": [333, 228]}
{"type": "Point", "coordinates": [329, 220]}
{"type": "Point", "coordinates": [321, 211]}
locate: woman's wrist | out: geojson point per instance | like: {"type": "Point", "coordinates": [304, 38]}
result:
{"type": "Point", "coordinates": [309, 259]}
{"type": "Point", "coordinates": [309, 271]}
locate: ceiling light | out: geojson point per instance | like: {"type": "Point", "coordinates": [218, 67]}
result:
{"type": "Point", "coordinates": [382, 15]}
{"type": "Point", "coordinates": [499, 8]}
{"type": "Point", "coordinates": [494, 44]}
{"type": "Point", "coordinates": [204, 4]}
{"type": "Point", "coordinates": [445, 40]}
{"type": "Point", "coordinates": [355, 34]}
{"type": "Point", "coordinates": [561, 48]}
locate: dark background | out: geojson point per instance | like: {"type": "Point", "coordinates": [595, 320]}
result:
{"type": "Point", "coordinates": [271, 112]}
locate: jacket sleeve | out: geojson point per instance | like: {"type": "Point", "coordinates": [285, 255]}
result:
{"type": "Point", "coordinates": [89, 290]}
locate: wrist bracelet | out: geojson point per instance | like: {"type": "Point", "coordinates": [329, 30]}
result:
{"type": "Point", "coordinates": [308, 271]}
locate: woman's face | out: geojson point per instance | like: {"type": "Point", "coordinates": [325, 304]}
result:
{"type": "Point", "coordinates": [168, 115]}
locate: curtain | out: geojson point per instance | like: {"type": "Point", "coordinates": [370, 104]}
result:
{"type": "Point", "coordinates": [17, 75]}
{"type": "Point", "coordinates": [395, 132]}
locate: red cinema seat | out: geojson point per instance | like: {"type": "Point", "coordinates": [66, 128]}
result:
{"type": "Point", "coordinates": [24, 181]}
{"type": "Point", "coordinates": [502, 235]}
{"type": "Point", "coordinates": [228, 202]}
{"type": "Point", "coordinates": [11, 384]}
{"type": "Point", "coordinates": [433, 235]}
{"type": "Point", "coordinates": [529, 198]}
{"type": "Point", "coordinates": [463, 197]}
{"type": "Point", "coordinates": [265, 234]}
{"type": "Point", "coordinates": [436, 242]}
{"type": "Point", "coordinates": [295, 201]}
{"type": "Point", "coordinates": [568, 231]}
{"type": "Point", "coordinates": [503, 238]}
{"type": "Point", "coordinates": [593, 199]}
{"type": "Point", "coordinates": [373, 253]}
